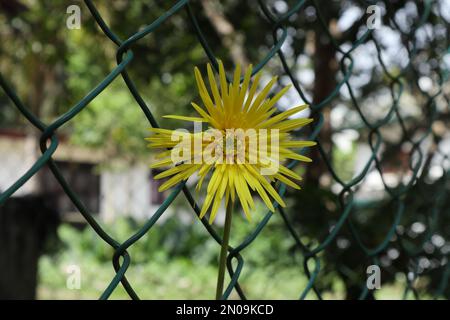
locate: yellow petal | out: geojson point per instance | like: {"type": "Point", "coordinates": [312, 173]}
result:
{"type": "Point", "coordinates": [286, 181]}
{"type": "Point", "coordinates": [223, 83]}
{"type": "Point", "coordinates": [193, 119]}
{"type": "Point", "coordinates": [288, 172]}
{"type": "Point", "coordinates": [292, 124]}
{"type": "Point", "coordinates": [161, 163]}
{"type": "Point", "coordinates": [252, 92]}
{"type": "Point", "coordinates": [263, 94]}
{"type": "Point", "coordinates": [244, 87]}
{"type": "Point", "coordinates": [297, 144]}
{"type": "Point", "coordinates": [282, 116]}
{"type": "Point", "coordinates": [171, 171]}
{"type": "Point", "coordinates": [214, 89]}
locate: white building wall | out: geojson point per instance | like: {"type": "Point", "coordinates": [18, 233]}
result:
{"type": "Point", "coordinates": [125, 192]}
{"type": "Point", "coordinates": [17, 156]}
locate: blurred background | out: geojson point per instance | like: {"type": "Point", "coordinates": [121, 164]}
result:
{"type": "Point", "coordinates": [380, 174]}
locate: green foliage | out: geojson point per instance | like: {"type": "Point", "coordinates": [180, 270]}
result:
{"type": "Point", "coordinates": [112, 122]}
{"type": "Point", "coordinates": [175, 260]}
{"type": "Point", "coordinates": [179, 261]}
{"type": "Point", "coordinates": [344, 162]}
{"type": "Point", "coordinates": [174, 238]}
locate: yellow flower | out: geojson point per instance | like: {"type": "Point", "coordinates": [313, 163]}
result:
{"type": "Point", "coordinates": [243, 148]}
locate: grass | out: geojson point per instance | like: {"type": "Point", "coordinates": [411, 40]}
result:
{"type": "Point", "coordinates": [165, 268]}
{"type": "Point", "coordinates": [178, 262]}
{"type": "Point", "coordinates": [179, 278]}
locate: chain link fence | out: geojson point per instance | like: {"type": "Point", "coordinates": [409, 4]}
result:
{"type": "Point", "coordinates": [425, 150]}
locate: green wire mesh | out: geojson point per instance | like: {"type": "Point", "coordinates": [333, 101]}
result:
{"type": "Point", "coordinates": [311, 263]}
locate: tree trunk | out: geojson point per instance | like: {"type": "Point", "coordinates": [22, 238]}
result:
{"type": "Point", "coordinates": [26, 224]}
{"type": "Point", "coordinates": [325, 69]}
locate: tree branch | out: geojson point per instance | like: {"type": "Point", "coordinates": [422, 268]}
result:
{"type": "Point", "coordinates": [232, 40]}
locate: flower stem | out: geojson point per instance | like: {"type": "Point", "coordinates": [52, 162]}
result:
{"type": "Point", "coordinates": [224, 250]}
